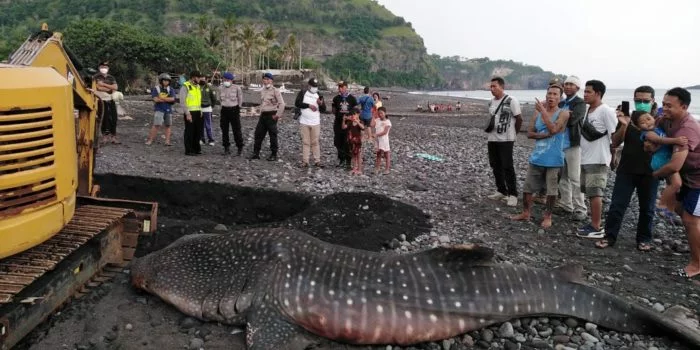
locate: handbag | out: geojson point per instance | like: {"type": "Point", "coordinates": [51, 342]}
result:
{"type": "Point", "coordinates": [589, 132]}
{"type": "Point", "coordinates": [492, 120]}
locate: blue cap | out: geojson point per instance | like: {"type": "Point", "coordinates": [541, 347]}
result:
{"type": "Point", "coordinates": [268, 76]}
{"type": "Point", "coordinates": [228, 75]}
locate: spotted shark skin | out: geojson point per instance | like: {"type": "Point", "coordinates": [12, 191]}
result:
{"type": "Point", "coordinates": [288, 289]}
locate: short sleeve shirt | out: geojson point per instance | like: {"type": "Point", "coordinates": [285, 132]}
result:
{"type": "Point", "coordinates": [504, 129]}
{"type": "Point", "coordinates": [603, 118]}
{"type": "Point", "coordinates": [690, 172]}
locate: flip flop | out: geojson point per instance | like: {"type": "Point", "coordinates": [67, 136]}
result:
{"type": "Point", "coordinates": [591, 235]}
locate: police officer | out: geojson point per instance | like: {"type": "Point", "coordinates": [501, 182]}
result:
{"type": "Point", "coordinates": [191, 101]}
{"type": "Point", "coordinates": [231, 97]}
{"type": "Point", "coordinates": [271, 110]}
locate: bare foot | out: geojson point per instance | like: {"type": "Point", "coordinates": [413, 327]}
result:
{"type": "Point", "coordinates": [524, 216]}
{"type": "Point", "coordinates": [546, 222]}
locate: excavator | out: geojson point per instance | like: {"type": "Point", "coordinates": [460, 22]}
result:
{"type": "Point", "coordinates": [58, 237]}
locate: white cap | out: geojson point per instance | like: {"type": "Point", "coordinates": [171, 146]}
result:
{"type": "Point", "coordinates": [574, 80]}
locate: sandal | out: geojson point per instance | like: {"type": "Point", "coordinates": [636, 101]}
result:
{"type": "Point", "coordinates": [644, 247]}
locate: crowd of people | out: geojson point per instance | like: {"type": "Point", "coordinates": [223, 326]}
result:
{"type": "Point", "coordinates": [357, 121]}
{"type": "Point", "coordinates": [575, 140]}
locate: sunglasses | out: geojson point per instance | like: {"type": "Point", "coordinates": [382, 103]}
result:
{"type": "Point", "coordinates": [640, 100]}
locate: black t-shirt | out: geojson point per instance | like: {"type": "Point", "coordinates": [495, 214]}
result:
{"type": "Point", "coordinates": [342, 106]}
{"type": "Point", "coordinates": [634, 160]}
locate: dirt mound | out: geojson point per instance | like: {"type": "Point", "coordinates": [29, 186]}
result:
{"type": "Point", "coordinates": [361, 220]}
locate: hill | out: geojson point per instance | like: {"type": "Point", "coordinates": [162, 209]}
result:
{"type": "Point", "coordinates": [357, 40]}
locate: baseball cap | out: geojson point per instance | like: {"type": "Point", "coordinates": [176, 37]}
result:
{"type": "Point", "coordinates": [228, 75]}
{"type": "Point", "coordinates": [268, 76]}
{"type": "Point", "coordinates": [313, 82]}
{"type": "Point", "coordinates": [574, 80]}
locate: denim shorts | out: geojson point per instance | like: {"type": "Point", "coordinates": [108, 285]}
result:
{"type": "Point", "coordinates": [162, 118]}
{"type": "Point", "coordinates": [690, 199]}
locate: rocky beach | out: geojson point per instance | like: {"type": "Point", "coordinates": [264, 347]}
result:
{"type": "Point", "coordinates": [435, 195]}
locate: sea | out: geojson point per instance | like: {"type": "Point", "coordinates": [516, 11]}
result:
{"type": "Point", "coordinates": [612, 97]}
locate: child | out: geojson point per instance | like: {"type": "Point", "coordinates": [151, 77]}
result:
{"type": "Point", "coordinates": [383, 126]}
{"type": "Point", "coordinates": [355, 127]}
{"type": "Point", "coordinates": [662, 154]}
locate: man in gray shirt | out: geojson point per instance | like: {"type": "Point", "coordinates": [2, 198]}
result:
{"type": "Point", "coordinates": [271, 110]}
{"type": "Point", "coordinates": [231, 97]}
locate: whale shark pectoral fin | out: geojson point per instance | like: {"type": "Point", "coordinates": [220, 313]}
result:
{"type": "Point", "coordinates": [571, 272]}
{"type": "Point", "coordinates": [266, 329]}
{"type": "Point", "coordinates": [461, 254]}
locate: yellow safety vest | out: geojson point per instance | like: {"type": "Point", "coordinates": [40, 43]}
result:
{"type": "Point", "coordinates": [194, 97]}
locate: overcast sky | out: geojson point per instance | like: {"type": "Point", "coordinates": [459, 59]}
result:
{"type": "Point", "coordinates": [624, 43]}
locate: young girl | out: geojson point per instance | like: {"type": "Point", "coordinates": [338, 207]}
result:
{"type": "Point", "coordinates": [662, 155]}
{"type": "Point", "coordinates": [383, 126]}
{"type": "Point", "coordinates": [355, 127]}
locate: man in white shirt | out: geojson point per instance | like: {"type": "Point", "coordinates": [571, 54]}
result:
{"type": "Point", "coordinates": [596, 137]}
{"type": "Point", "coordinates": [310, 105]}
{"type": "Point", "coordinates": [501, 138]}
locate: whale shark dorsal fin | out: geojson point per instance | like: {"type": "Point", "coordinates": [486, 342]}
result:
{"type": "Point", "coordinates": [463, 254]}
{"type": "Point", "coordinates": [571, 272]}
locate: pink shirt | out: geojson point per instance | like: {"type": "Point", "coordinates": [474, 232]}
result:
{"type": "Point", "coordinates": [688, 127]}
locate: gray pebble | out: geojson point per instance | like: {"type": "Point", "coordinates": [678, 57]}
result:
{"type": "Point", "coordinates": [658, 307]}
{"type": "Point", "coordinates": [196, 344]}
{"type": "Point", "coordinates": [506, 330]}
{"type": "Point", "coordinates": [487, 335]}
{"type": "Point", "coordinates": [589, 338]}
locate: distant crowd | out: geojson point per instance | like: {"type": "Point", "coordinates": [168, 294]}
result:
{"type": "Point", "coordinates": [576, 142]}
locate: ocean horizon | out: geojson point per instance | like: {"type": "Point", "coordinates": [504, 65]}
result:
{"type": "Point", "coordinates": [612, 97]}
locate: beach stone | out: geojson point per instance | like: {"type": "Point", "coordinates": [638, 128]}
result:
{"type": "Point", "coordinates": [506, 330]}
{"type": "Point", "coordinates": [589, 338]}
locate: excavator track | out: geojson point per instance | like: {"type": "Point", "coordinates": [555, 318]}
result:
{"type": "Point", "coordinates": [100, 239]}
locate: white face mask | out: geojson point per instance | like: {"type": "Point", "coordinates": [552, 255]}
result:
{"type": "Point", "coordinates": [104, 70]}
{"type": "Point", "coordinates": [313, 90]}
{"type": "Point", "coordinates": [267, 86]}
{"type": "Point", "coordinates": [227, 83]}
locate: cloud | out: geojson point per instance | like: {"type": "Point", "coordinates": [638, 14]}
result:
{"type": "Point", "coordinates": [624, 43]}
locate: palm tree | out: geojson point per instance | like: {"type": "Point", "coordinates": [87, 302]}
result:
{"type": "Point", "coordinates": [289, 51]}
{"type": "Point", "coordinates": [269, 35]}
{"type": "Point", "coordinates": [250, 41]}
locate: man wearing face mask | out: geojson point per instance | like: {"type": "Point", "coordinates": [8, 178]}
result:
{"type": "Point", "coordinates": [231, 97]}
{"type": "Point", "coordinates": [341, 106]}
{"type": "Point", "coordinates": [311, 106]}
{"type": "Point", "coordinates": [633, 174]}
{"type": "Point", "coordinates": [191, 102]}
{"type": "Point", "coordinates": [105, 85]}
{"type": "Point", "coordinates": [271, 110]}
